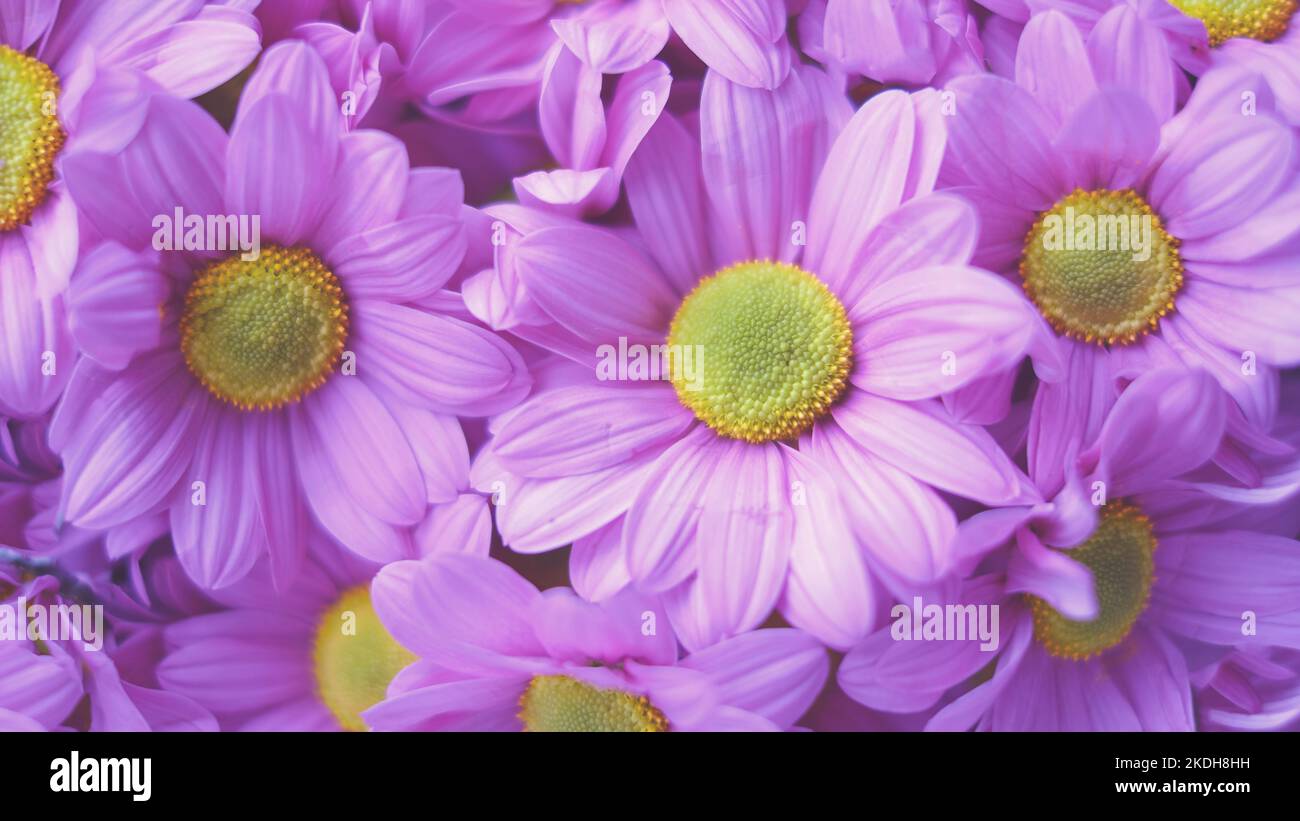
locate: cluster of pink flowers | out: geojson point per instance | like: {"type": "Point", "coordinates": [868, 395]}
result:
{"type": "Point", "coordinates": [649, 365]}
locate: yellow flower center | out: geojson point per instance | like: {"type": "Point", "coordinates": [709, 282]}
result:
{"type": "Point", "coordinates": [261, 333]}
{"type": "Point", "coordinates": [1101, 267]}
{"type": "Point", "coordinates": [1120, 554]}
{"type": "Point", "coordinates": [30, 135]}
{"type": "Point", "coordinates": [773, 349]}
{"type": "Point", "coordinates": [1264, 20]}
{"type": "Point", "coordinates": [355, 658]}
{"type": "Point", "coordinates": [560, 704]}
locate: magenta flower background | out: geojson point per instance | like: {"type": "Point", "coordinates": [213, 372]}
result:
{"type": "Point", "coordinates": [500, 365]}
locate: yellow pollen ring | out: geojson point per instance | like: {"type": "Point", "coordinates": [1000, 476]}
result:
{"type": "Point", "coordinates": [354, 658]}
{"type": "Point", "coordinates": [773, 348]}
{"type": "Point", "coordinates": [1101, 267]}
{"type": "Point", "coordinates": [1263, 20]}
{"type": "Point", "coordinates": [262, 333]}
{"type": "Point", "coordinates": [1121, 555]}
{"type": "Point", "coordinates": [562, 704]}
{"type": "Point", "coordinates": [30, 135]}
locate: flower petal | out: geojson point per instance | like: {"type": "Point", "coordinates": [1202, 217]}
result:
{"type": "Point", "coordinates": [216, 525]}
{"type": "Point", "coordinates": [743, 40]}
{"type": "Point", "coordinates": [37, 354]}
{"type": "Point", "coordinates": [296, 70]}
{"type": "Point", "coordinates": [907, 529]}
{"type": "Point", "coordinates": [369, 189]}
{"type": "Point", "coordinates": [743, 539]}
{"type": "Point", "coordinates": [1261, 320]}
{"type": "Point", "coordinates": [889, 43]}
{"type": "Point", "coordinates": [888, 154]}
{"type": "Point", "coordinates": [1065, 584]}
{"type": "Point", "coordinates": [923, 440]}
{"type": "Point", "coordinates": [580, 429]}
{"type": "Point", "coordinates": [25, 21]}
{"type": "Point", "coordinates": [564, 268]}
{"type": "Point", "coordinates": [1052, 64]}
{"type": "Point", "coordinates": [436, 361]}
{"type": "Point", "coordinates": [625, 38]}
{"type": "Point", "coordinates": [401, 261]}
{"type": "Point", "coordinates": [448, 599]}
{"type": "Point", "coordinates": [1001, 140]}
{"type": "Point", "coordinates": [571, 112]}
{"type": "Point", "coordinates": [629, 118]}
{"type": "Point", "coordinates": [659, 534]}
{"type": "Point", "coordinates": [42, 688]}
{"type": "Point", "coordinates": [935, 229]}
{"type": "Point", "coordinates": [775, 673]}
{"type": "Point", "coordinates": [191, 57]}
{"type": "Point", "coordinates": [1110, 138]}
{"type": "Point", "coordinates": [463, 525]}
{"type": "Point", "coordinates": [114, 304]}
{"type": "Point", "coordinates": [904, 675]}
{"type": "Point", "coordinates": [136, 445]}
{"type": "Point", "coordinates": [275, 170]}
{"type": "Point", "coordinates": [1216, 177]}
{"type": "Point", "coordinates": [762, 150]}
{"type": "Point", "coordinates": [1208, 581]}
{"type": "Point", "coordinates": [827, 592]}
{"type": "Point", "coordinates": [936, 329]}
{"type": "Point", "coordinates": [344, 430]}
{"type": "Point", "coordinates": [596, 564]}
{"type": "Point", "coordinates": [1139, 446]}
{"type": "Point", "coordinates": [665, 190]}
{"type": "Point", "coordinates": [1129, 52]}
{"type": "Point", "coordinates": [272, 478]}
{"type": "Point", "coordinates": [543, 514]}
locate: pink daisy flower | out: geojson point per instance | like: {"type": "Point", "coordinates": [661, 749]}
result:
{"type": "Point", "coordinates": [1114, 593]}
{"type": "Point", "coordinates": [802, 249]}
{"type": "Point", "coordinates": [1193, 36]}
{"type": "Point", "coordinates": [74, 680]}
{"type": "Point", "coordinates": [322, 377]}
{"type": "Point", "coordinates": [1209, 278]}
{"type": "Point", "coordinates": [497, 655]}
{"type": "Point", "coordinates": [66, 69]}
{"type": "Point", "coordinates": [309, 659]}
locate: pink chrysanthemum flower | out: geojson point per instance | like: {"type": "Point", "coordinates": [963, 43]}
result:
{"type": "Point", "coordinates": [65, 70]}
{"type": "Point", "coordinates": [1082, 145]}
{"type": "Point", "coordinates": [496, 654]}
{"type": "Point", "coordinates": [49, 679]}
{"type": "Point", "coordinates": [312, 658]}
{"type": "Point", "coordinates": [1195, 36]}
{"type": "Point", "coordinates": [803, 252]}
{"type": "Point", "coordinates": [323, 375]}
{"type": "Point", "coordinates": [62, 665]}
{"type": "Point", "coordinates": [1114, 592]}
